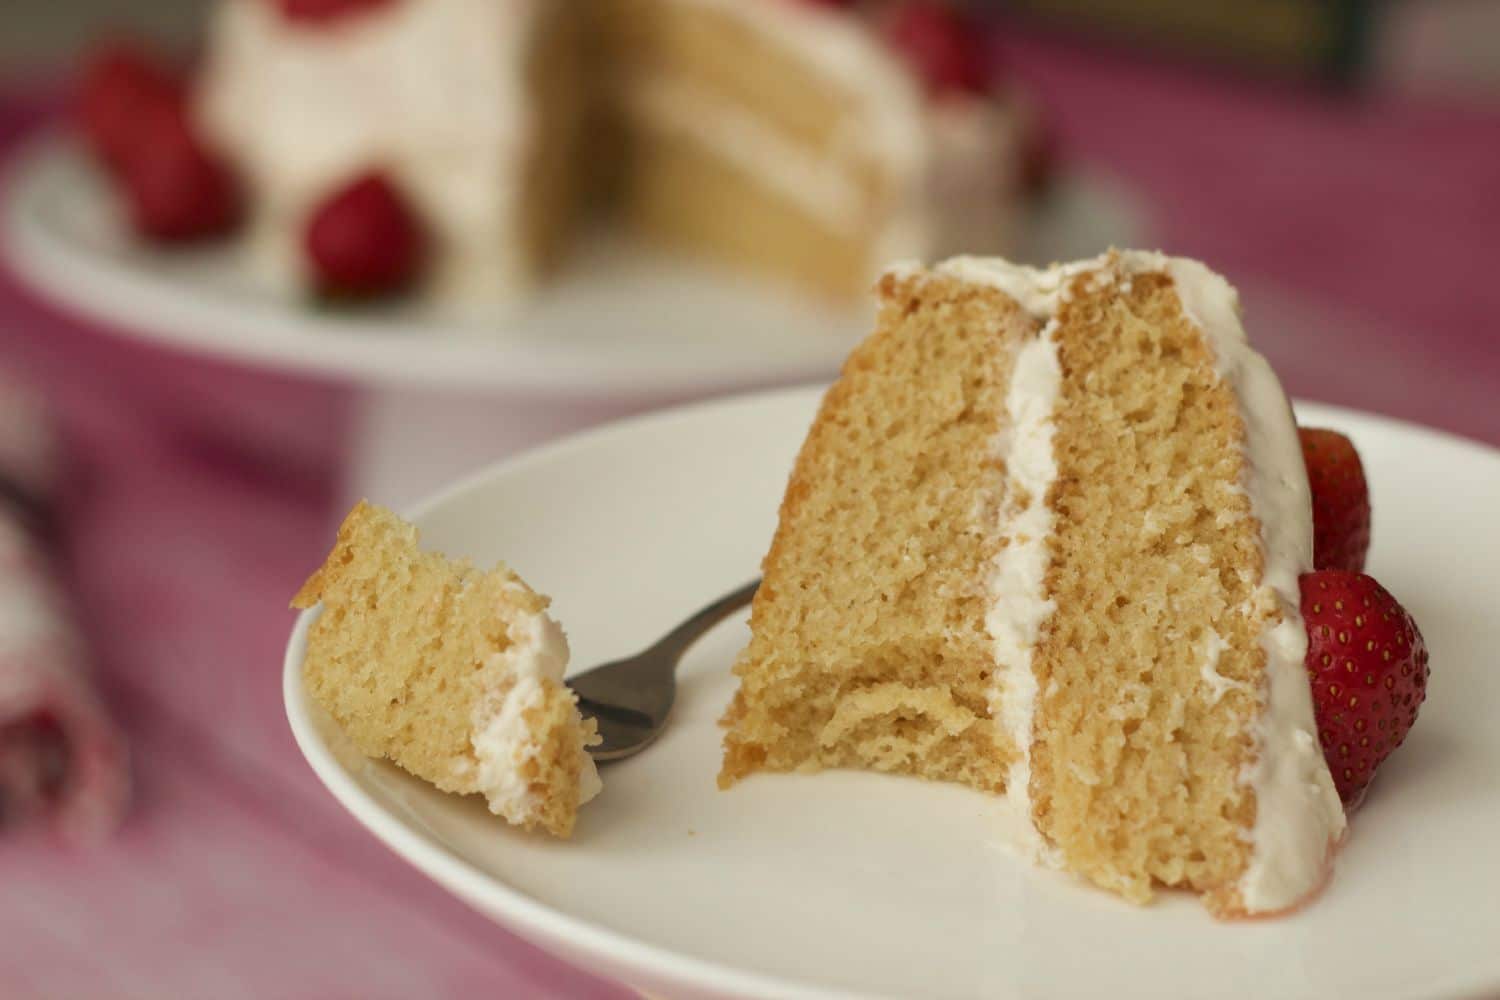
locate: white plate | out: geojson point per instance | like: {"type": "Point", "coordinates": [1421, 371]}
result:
{"type": "Point", "coordinates": [623, 319]}
{"type": "Point", "coordinates": [861, 884]}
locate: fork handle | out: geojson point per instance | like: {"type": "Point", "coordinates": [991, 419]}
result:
{"type": "Point", "coordinates": [677, 641]}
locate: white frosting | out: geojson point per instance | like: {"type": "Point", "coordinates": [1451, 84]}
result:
{"type": "Point", "coordinates": [1039, 291]}
{"type": "Point", "coordinates": [1019, 606]}
{"type": "Point", "coordinates": [503, 741]}
{"type": "Point", "coordinates": [431, 91]}
{"type": "Point", "coordinates": [1298, 814]}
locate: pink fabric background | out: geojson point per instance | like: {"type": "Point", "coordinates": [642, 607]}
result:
{"type": "Point", "coordinates": [235, 876]}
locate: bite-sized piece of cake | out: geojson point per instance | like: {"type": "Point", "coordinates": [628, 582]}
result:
{"type": "Point", "coordinates": [451, 673]}
{"type": "Point", "coordinates": [474, 109]}
{"type": "Point", "coordinates": [1045, 536]}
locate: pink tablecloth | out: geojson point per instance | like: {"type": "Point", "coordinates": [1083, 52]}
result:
{"type": "Point", "coordinates": [236, 877]}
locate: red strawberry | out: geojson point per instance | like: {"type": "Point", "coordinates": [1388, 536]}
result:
{"type": "Point", "coordinates": [121, 85]}
{"type": "Point", "coordinates": [364, 239]}
{"type": "Point", "coordinates": [942, 45]}
{"type": "Point", "coordinates": [1341, 500]}
{"type": "Point", "coordinates": [320, 11]}
{"type": "Point", "coordinates": [1368, 667]}
{"type": "Point", "coordinates": [178, 189]}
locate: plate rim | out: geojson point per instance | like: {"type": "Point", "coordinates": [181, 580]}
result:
{"type": "Point", "coordinates": [556, 931]}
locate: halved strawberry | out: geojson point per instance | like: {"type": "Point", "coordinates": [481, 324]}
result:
{"type": "Point", "coordinates": [1340, 497]}
{"type": "Point", "coordinates": [1367, 664]}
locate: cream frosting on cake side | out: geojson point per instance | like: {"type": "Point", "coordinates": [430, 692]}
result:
{"type": "Point", "coordinates": [1299, 818]}
{"type": "Point", "coordinates": [964, 201]}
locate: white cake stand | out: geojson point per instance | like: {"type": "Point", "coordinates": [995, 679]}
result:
{"type": "Point", "coordinates": [626, 328]}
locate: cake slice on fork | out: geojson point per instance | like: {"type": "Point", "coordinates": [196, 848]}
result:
{"type": "Point", "coordinates": [453, 674]}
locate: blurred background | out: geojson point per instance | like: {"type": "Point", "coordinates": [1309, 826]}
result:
{"type": "Point", "coordinates": [1338, 160]}
{"type": "Point", "coordinates": [1439, 46]}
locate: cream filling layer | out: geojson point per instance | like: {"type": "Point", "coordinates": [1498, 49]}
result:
{"type": "Point", "coordinates": [966, 201]}
{"type": "Point", "coordinates": [502, 739]}
{"type": "Point", "coordinates": [820, 185]}
{"type": "Point", "coordinates": [889, 123]}
{"type": "Point", "coordinates": [846, 51]}
{"type": "Point", "coordinates": [1019, 605]}
{"type": "Point", "coordinates": [1299, 817]}
{"type": "Point", "coordinates": [952, 165]}
{"type": "Point", "coordinates": [1298, 813]}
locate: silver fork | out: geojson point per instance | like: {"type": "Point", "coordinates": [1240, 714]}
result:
{"type": "Point", "coordinates": [631, 698]}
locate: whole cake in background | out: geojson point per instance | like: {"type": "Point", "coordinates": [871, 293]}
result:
{"type": "Point", "coordinates": [455, 146]}
{"type": "Point", "coordinates": [1052, 534]}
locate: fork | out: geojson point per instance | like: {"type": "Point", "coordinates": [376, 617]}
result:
{"type": "Point", "coordinates": [631, 698]}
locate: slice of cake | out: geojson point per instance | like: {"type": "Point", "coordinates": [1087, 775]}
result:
{"type": "Point", "coordinates": [1045, 537]}
{"type": "Point", "coordinates": [452, 674]}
